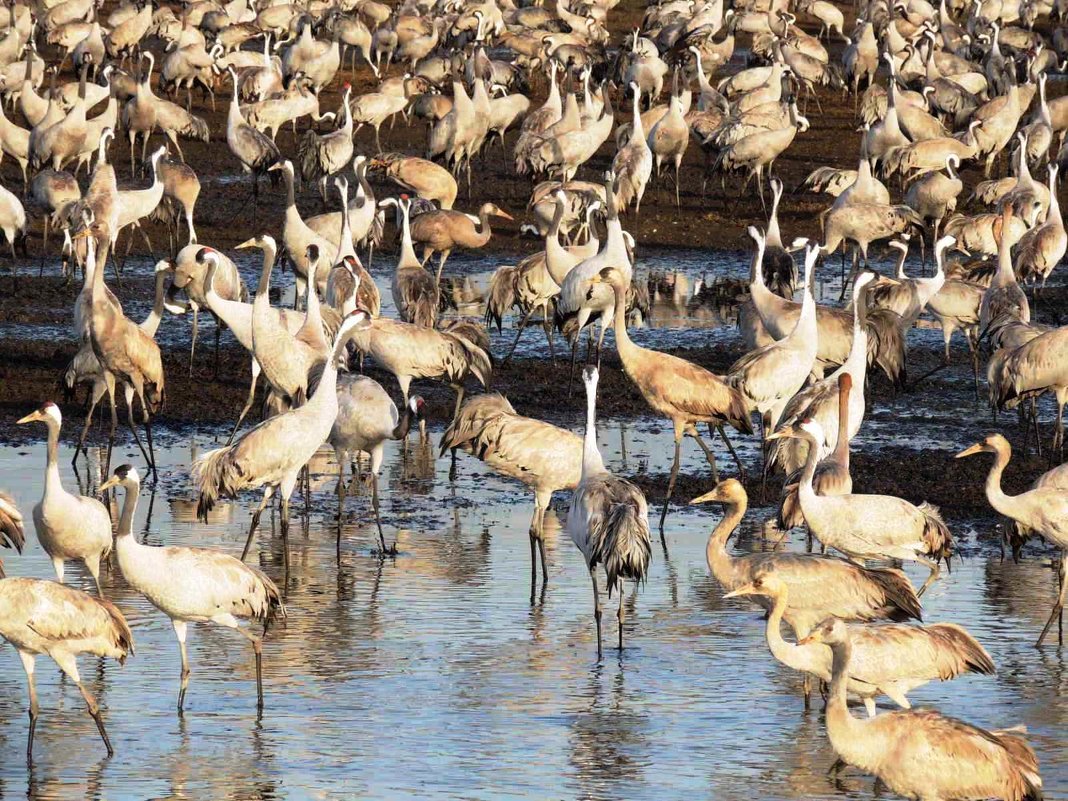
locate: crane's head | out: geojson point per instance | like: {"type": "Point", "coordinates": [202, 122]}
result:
{"type": "Point", "coordinates": [590, 375]}
{"type": "Point", "coordinates": [995, 443]}
{"type": "Point", "coordinates": [496, 211]}
{"type": "Point", "coordinates": [832, 631]}
{"type": "Point", "coordinates": [125, 476]}
{"type": "Point", "coordinates": [263, 242]}
{"type": "Point", "coordinates": [609, 275]}
{"type": "Point", "coordinates": [47, 412]}
{"type": "Point", "coordinates": [312, 253]}
{"type": "Point", "coordinates": [729, 491]}
{"type": "Point", "coordinates": [766, 583]}
{"type": "Point", "coordinates": [807, 429]}
{"type": "Point", "coordinates": [417, 406]}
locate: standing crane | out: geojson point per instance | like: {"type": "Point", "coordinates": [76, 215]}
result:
{"type": "Point", "coordinates": [544, 457]}
{"type": "Point", "coordinates": [323, 156]}
{"type": "Point", "coordinates": [869, 526]}
{"type": "Point", "coordinates": [256, 152]}
{"type": "Point", "coordinates": [608, 520]}
{"type": "Point", "coordinates": [193, 585]}
{"type": "Point", "coordinates": [680, 390]}
{"type": "Point", "coordinates": [45, 618]}
{"type": "Point", "coordinates": [366, 418]}
{"type": "Point", "coordinates": [1043, 511]}
{"type": "Point", "coordinates": [68, 526]}
{"type": "Point", "coordinates": [272, 454]}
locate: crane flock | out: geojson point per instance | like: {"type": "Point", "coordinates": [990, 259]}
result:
{"type": "Point", "coordinates": [941, 96]}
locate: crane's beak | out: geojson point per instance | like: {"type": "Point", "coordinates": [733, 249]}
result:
{"type": "Point", "coordinates": [747, 589]}
{"type": "Point", "coordinates": [969, 451]}
{"type": "Point", "coordinates": [708, 497]}
{"type": "Point", "coordinates": [248, 243]}
{"type": "Point", "coordinates": [784, 433]}
{"type": "Point", "coordinates": [111, 482]}
{"type": "Point", "coordinates": [506, 215]}
{"type": "Point", "coordinates": [32, 417]}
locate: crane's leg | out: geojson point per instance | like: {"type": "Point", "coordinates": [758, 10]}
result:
{"type": "Point", "coordinates": [596, 609]}
{"type": "Point", "coordinates": [99, 388]}
{"type": "Point", "coordinates": [28, 660]}
{"type": "Point", "coordinates": [267, 493]}
{"type": "Point", "coordinates": [709, 454]}
{"type": "Point", "coordinates": [285, 535]}
{"type": "Point", "coordinates": [1058, 608]}
{"type": "Point", "coordinates": [441, 264]}
{"type": "Point", "coordinates": [671, 483]}
{"type": "Point", "coordinates": [180, 627]}
{"type": "Point", "coordinates": [534, 535]}
{"type": "Point", "coordinates": [92, 564]}
{"type": "Point", "coordinates": [248, 403]}
{"type": "Point", "coordinates": [133, 426]}
{"type": "Point", "coordinates": [723, 435]}
{"type": "Point", "coordinates": [547, 324]}
{"type": "Point", "coordinates": [459, 399]}
{"type": "Point", "coordinates": [391, 551]}
{"type": "Point", "coordinates": [519, 333]}
{"type": "Point", "coordinates": [193, 346]}
{"type": "Point", "coordinates": [574, 358]}
{"type": "Point", "coordinates": [620, 613]}
{"type": "Point", "coordinates": [340, 494]}
{"type": "Point", "coordinates": [257, 649]}
{"type": "Point", "coordinates": [110, 381]}
{"type": "Point", "coordinates": [69, 666]}
{"type": "Point", "coordinates": [933, 567]}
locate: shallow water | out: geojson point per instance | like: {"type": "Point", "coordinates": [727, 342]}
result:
{"type": "Point", "coordinates": [431, 675]}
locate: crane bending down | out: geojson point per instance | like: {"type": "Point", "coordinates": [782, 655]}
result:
{"type": "Point", "coordinates": [921, 753]}
{"type": "Point", "coordinates": [544, 457]}
{"type": "Point", "coordinates": [608, 520]}
{"type": "Point", "coordinates": [890, 659]}
{"type": "Point", "coordinates": [193, 585]}
{"type": "Point", "coordinates": [272, 454]}
{"type": "Point", "coordinates": [42, 617]}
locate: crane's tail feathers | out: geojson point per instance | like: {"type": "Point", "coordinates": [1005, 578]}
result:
{"type": "Point", "coordinates": [308, 156]}
{"type": "Point", "coordinates": [12, 529]}
{"type": "Point", "coordinates": [501, 295]}
{"type": "Point", "coordinates": [973, 657]}
{"type": "Point", "coordinates": [900, 601]}
{"type": "Point", "coordinates": [122, 637]}
{"type": "Point", "coordinates": [624, 545]}
{"type": "Point", "coordinates": [272, 606]}
{"type": "Point", "coordinates": [936, 534]}
{"type": "Point", "coordinates": [216, 476]}
{"type": "Point", "coordinates": [1023, 759]}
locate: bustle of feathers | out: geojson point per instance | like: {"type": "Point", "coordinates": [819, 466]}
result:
{"type": "Point", "coordinates": [12, 529]}
{"type": "Point", "coordinates": [308, 156]}
{"type": "Point", "coordinates": [620, 538]}
{"type": "Point", "coordinates": [501, 297]}
{"type": "Point", "coordinates": [936, 535]}
{"type": "Point", "coordinates": [887, 345]}
{"type": "Point", "coordinates": [899, 598]}
{"type": "Point", "coordinates": [218, 476]}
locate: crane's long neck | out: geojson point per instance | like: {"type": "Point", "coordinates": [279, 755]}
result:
{"type": "Point", "coordinates": [806, 494]}
{"type": "Point", "coordinates": [407, 257]}
{"type": "Point", "coordinates": [1054, 204]}
{"type": "Point", "coordinates": [264, 287]}
{"type": "Point", "coordinates": [841, 445]}
{"type": "Point", "coordinates": [998, 499]}
{"type": "Point", "coordinates": [592, 463]}
{"type": "Point", "coordinates": [774, 236]}
{"type": "Point", "coordinates": [798, 657]}
{"type": "Point", "coordinates": [637, 133]}
{"type": "Point", "coordinates": [313, 315]}
{"type": "Point", "coordinates": [291, 197]}
{"type": "Point", "coordinates": [900, 272]}
{"type": "Point", "coordinates": [1005, 273]}
{"type": "Point", "coordinates": [52, 481]}
{"type": "Point", "coordinates": [720, 561]}
{"type": "Point", "coordinates": [151, 323]}
{"type": "Point", "coordinates": [626, 347]}
{"type": "Point", "coordinates": [857, 359]}
{"type": "Point", "coordinates": [129, 507]}
{"type": "Point", "coordinates": [841, 726]}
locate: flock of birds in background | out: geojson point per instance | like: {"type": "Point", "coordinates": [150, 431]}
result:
{"type": "Point", "coordinates": [965, 83]}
